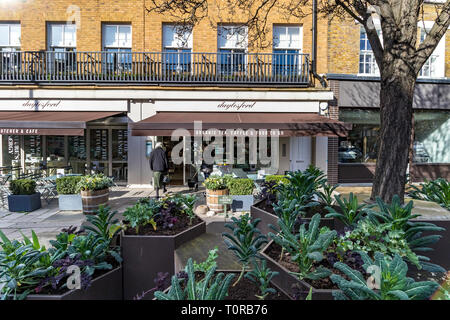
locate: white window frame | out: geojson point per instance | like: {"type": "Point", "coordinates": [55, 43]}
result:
{"type": "Point", "coordinates": [65, 46]}
{"type": "Point", "coordinates": [436, 62]}
{"type": "Point", "coordinates": [292, 45]}
{"type": "Point", "coordinates": [369, 53]}
{"type": "Point", "coordinates": [183, 38]}
{"type": "Point", "coordinates": [241, 47]}
{"type": "Point", "coordinates": [10, 46]}
{"type": "Point", "coordinates": [116, 45]}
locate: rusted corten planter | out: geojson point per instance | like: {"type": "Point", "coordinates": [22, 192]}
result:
{"type": "Point", "coordinates": [145, 256]}
{"type": "Point", "coordinates": [287, 281]}
{"type": "Point", "coordinates": [212, 200]}
{"type": "Point", "coordinates": [106, 287]}
{"type": "Point", "coordinates": [268, 218]}
{"type": "Point", "coordinates": [92, 200]}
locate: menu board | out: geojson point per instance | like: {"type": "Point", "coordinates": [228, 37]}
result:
{"type": "Point", "coordinates": [78, 146]}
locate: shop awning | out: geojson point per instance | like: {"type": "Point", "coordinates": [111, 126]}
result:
{"type": "Point", "coordinates": [66, 123]}
{"type": "Point", "coordinates": [215, 123]}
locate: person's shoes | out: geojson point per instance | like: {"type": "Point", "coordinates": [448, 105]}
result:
{"type": "Point", "coordinates": [164, 190]}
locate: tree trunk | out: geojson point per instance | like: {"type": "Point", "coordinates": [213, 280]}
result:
{"type": "Point", "coordinates": [396, 101]}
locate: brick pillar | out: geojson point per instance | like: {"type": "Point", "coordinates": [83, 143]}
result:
{"type": "Point", "coordinates": [333, 141]}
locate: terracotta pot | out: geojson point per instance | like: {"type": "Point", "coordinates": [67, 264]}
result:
{"type": "Point", "coordinates": [93, 199]}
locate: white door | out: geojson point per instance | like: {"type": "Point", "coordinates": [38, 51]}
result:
{"type": "Point", "coordinates": [300, 154]}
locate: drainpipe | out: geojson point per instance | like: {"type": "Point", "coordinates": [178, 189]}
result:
{"type": "Point", "coordinates": [314, 46]}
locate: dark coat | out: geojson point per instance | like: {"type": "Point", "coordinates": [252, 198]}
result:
{"type": "Point", "coordinates": [158, 160]}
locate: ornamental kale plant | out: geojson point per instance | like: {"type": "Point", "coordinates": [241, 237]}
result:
{"type": "Point", "coordinates": [105, 226]}
{"type": "Point", "coordinates": [288, 210]}
{"type": "Point", "coordinates": [400, 217]}
{"type": "Point", "coordinates": [306, 248]}
{"type": "Point", "coordinates": [245, 241]}
{"type": "Point", "coordinates": [261, 275]}
{"type": "Point", "coordinates": [209, 263]}
{"type": "Point", "coordinates": [371, 237]}
{"type": "Point", "coordinates": [142, 214]}
{"type": "Point", "coordinates": [22, 267]}
{"type": "Point", "coordinates": [351, 210]}
{"type": "Point", "coordinates": [209, 288]}
{"type": "Point", "coordinates": [388, 281]}
{"type": "Point", "coordinates": [268, 192]}
{"type": "Point", "coordinates": [302, 186]}
{"type": "Point", "coordinates": [436, 191]}
{"type": "Point", "coordinates": [326, 194]}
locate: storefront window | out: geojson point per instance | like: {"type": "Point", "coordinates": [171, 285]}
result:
{"type": "Point", "coordinates": [55, 152]}
{"type": "Point", "coordinates": [77, 153]}
{"type": "Point", "coordinates": [361, 144]}
{"type": "Point", "coordinates": [432, 136]}
{"type": "Point", "coordinates": [431, 129]}
{"type": "Point", "coordinates": [120, 153]}
{"type": "Point", "coordinates": [11, 150]}
{"type": "Point", "coordinates": [99, 150]}
{"type": "Point", "coordinates": [33, 152]}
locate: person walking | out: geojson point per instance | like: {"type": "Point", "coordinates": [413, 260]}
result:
{"type": "Point", "coordinates": [160, 166]}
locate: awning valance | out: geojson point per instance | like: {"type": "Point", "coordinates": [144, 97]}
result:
{"type": "Point", "coordinates": [288, 124]}
{"type": "Point", "coordinates": [67, 123]}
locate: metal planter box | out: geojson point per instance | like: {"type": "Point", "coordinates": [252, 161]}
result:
{"type": "Point", "coordinates": [24, 203]}
{"type": "Point", "coordinates": [145, 256]}
{"type": "Point", "coordinates": [106, 287]}
{"type": "Point", "coordinates": [70, 202]}
{"type": "Point", "coordinates": [242, 203]}
{"type": "Point", "coordinates": [268, 218]}
{"type": "Point", "coordinates": [286, 281]}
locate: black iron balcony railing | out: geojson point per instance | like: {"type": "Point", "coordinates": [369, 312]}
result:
{"type": "Point", "coordinates": [155, 68]}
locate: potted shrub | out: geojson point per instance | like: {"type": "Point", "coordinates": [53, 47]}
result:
{"type": "Point", "coordinates": [216, 186]}
{"type": "Point", "coordinates": [68, 197]}
{"type": "Point", "coordinates": [242, 192]}
{"type": "Point", "coordinates": [33, 272]}
{"type": "Point", "coordinates": [94, 192]}
{"type": "Point", "coordinates": [154, 228]}
{"type": "Point", "coordinates": [24, 197]}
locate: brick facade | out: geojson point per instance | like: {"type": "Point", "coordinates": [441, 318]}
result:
{"type": "Point", "coordinates": [146, 27]}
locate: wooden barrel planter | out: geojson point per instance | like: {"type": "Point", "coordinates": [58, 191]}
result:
{"type": "Point", "coordinates": [212, 200]}
{"type": "Point", "coordinates": [93, 199]}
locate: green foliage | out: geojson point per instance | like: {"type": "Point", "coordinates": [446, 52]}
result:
{"type": "Point", "coordinates": [391, 282]}
{"type": "Point", "coordinates": [22, 267]}
{"type": "Point", "coordinates": [94, 182]}
{"type": "Point", "coordinates": [215, 182]}
{"type": "Point", "coordinates": [67, 185]}
{"type": "Point", "coordinates": [186, 203]}
{"type": "Point", "coordinates": [288, 210]}
{"type": "Point", "coordinates": [261, 275]}
{"type": "Point", "coordinates": [142, 213]}
{"type": "Point", "coordinates": [27, 266]}
{"type": "Point", "coordinates": [277, 178]}
{"type": "Point", "coordinates": [105, 227]}
{"type": "Point", "coordinates": [399, 217]}
{"type": "Point", "coordinates": [209, 263]}
{"type": "Point", "coordinates": [306, 247]}
{"type": "Point", "coordinates": [371, 237]}
{"type": "Point", "coordinates": [351, 210]}
{"type": "Point", "coordinates": [436, 191]}
{"type": "Point", "coordinates": [302, 185]}
{"type": "Point", "coordinates": [22, 187]}
{"type": "Point", "coordinates": [326, 196]}
{"type": "Point", "coordinates": [245, 241]}
{"type": "Point", "coordinates": [239, 187]}
{"type": "Point", "coordinates": [209, 288]}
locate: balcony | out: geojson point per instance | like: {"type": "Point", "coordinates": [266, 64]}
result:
{"type": "Point", "coordinates": [161, 68]}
